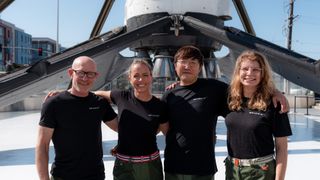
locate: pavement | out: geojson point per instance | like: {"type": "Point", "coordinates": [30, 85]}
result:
{"type": "Point", "coordinates": [18, 132]}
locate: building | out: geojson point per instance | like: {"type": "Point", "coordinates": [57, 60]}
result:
{"type": "Point", "coordinates": [23, 47]}
{"type": "Point", "coordinates": [6, 44]}
{"type": "Point", "coordinates": [15, 46]}
{"type": "Point", "coordinates": [42, 47]}
{"type": "Point", "coordinates": [18, 48]}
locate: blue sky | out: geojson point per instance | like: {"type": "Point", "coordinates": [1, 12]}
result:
{"type": "Point", "coordinates": [77, 18]}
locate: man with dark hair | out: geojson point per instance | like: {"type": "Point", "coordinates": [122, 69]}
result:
{"type": "Point", "coordinates": [193, 108]}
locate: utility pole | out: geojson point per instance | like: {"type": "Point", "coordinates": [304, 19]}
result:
{"type": "Point", "coordinates": [57, 42]}
{"type": "Point", "coordinates": [290, 25]}
{"type": "Point", "coordinates": [286, 84]}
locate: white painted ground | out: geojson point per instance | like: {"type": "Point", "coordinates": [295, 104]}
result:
{"type": "Point", "coordinates": [18, 132]}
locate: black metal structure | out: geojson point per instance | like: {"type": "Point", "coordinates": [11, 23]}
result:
{"type": "Point", "coordinates": [4, 4]}
{"type": "Point", "coordinates": [101, 18]}
{"type": "Point", "coordinates": [244, 17]}
{"type": "Point", "coordinates": [153, 34]}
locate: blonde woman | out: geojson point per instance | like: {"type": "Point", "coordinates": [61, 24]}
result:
{"type": "Point", "coordinates": [256, 131]}
{"type": "Point", "coordinates": [140, 115]}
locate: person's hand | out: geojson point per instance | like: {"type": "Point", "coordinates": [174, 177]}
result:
{"type": "Point", "coordinates": [113, 151]}
{"type": "Point", "coordinates": [172, 86]}
{"type": "Point", "coordinates": [51, 93]}
{"type": "Point", "coordinates": [279, 97]}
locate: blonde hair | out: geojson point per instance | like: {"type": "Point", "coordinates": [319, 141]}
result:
{"type": "Point", "coordinates": [265, 89]}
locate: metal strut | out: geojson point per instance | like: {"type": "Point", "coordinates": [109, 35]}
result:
{"type": "Point", "coordinates": [176, 27]}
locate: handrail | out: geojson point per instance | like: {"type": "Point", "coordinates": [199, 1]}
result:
{"type": "Point", "coordinates": [302, 96]}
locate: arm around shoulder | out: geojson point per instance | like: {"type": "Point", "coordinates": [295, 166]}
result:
{"type": "Point", "coordinates": [113, 124]}
{"type": "Point", "coordinates": [279, 97]}
{"type": "Point", "coordinates": [164, 127]}
{"type": "Point", "coordinates": [104, 94]}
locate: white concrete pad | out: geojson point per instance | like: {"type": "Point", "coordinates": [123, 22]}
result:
{"type": "Point", "coordinates": [18, 131]}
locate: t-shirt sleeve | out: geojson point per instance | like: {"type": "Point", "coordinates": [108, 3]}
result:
{"type": "Point", "coordinates": [164, 97]}
{"type": "Point", "coordinates": [224, 109]}
{"type": "Point", "coordinates": [109, 114]}
{"type": "Point", "coordinates": [115, 95]}
{"type": "Point", "coordinates": [164, 113]}
{"type": "Point", "coordinates": [281, 124]}
{"type": "Point", "coordinates": [47, 118]}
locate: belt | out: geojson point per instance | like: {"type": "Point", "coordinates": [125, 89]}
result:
{"type": "Point", "coordinates": [249, 162]}
{"type": "Point", "coordinates": [138, 159]}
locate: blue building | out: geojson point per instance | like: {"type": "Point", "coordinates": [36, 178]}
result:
{"type": "Point", "coordinates": [18, 48]}
{"type": "Point", "coordinates": [15, 46]}
{"type": "Point", "coordinates": [23, 47]}
{"type": "Point", "coordinates": [6, 44]}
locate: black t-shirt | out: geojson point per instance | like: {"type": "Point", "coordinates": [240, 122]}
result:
{"type": "Point", "coordinates": [192, 113]}
{"type": "Point", "coordinates": [138, 123]}
{"type": "Point", "coordinates": [250, 132]}
{"type": "Point", "coordinates": [77, 134]}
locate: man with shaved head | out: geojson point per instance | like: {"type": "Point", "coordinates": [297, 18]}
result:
{"type": "Point", "coordinates": [72, 120]}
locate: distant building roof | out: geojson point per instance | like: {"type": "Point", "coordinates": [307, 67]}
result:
{"type": "Point", "coordinates": [43, 39]}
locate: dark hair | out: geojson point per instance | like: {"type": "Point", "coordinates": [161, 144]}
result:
{"type": "Point", "coordinates": [187, 52]}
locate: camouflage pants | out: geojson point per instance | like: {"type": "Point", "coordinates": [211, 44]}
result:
{"type": "Point", "coordinates": [263, 171]}
{"type": "Point", "coordinates": [55, 178]}
{"type": "Point", "coordinates": [151, 170]}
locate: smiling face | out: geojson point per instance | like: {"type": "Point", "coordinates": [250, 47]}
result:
{"type": "Point", "coordinates": [187, 70]}
{"type": "Point", "coordinates": [82, 76]}
{"type": "Point", "coordinates": [140, 78]}
{"type": "Point", "coordinates": [250, 74]}
{"type": "Point", "coordinates": [188, 61]}
{"type": "Point", "coordinates": [252, 78]}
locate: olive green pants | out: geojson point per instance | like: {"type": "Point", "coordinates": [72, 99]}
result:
{"type": "Point", "coordinates": [170, 176]}
{"type": "Point", "coordinates": [263, 171]}
{"type": "Point", "coordinates": [55, 178]}
{"type": "Point", "coordinates": [151, 170]}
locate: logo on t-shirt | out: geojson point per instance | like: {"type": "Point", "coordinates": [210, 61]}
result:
{"type": "Point", "coordinates": [256, 113]}
{"type": "Point", "coordinates": [92, 108]}
{"type": "Point", "coordinates": [199, 99]}
{"type": "Point", "coordinates": [153, 115]}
